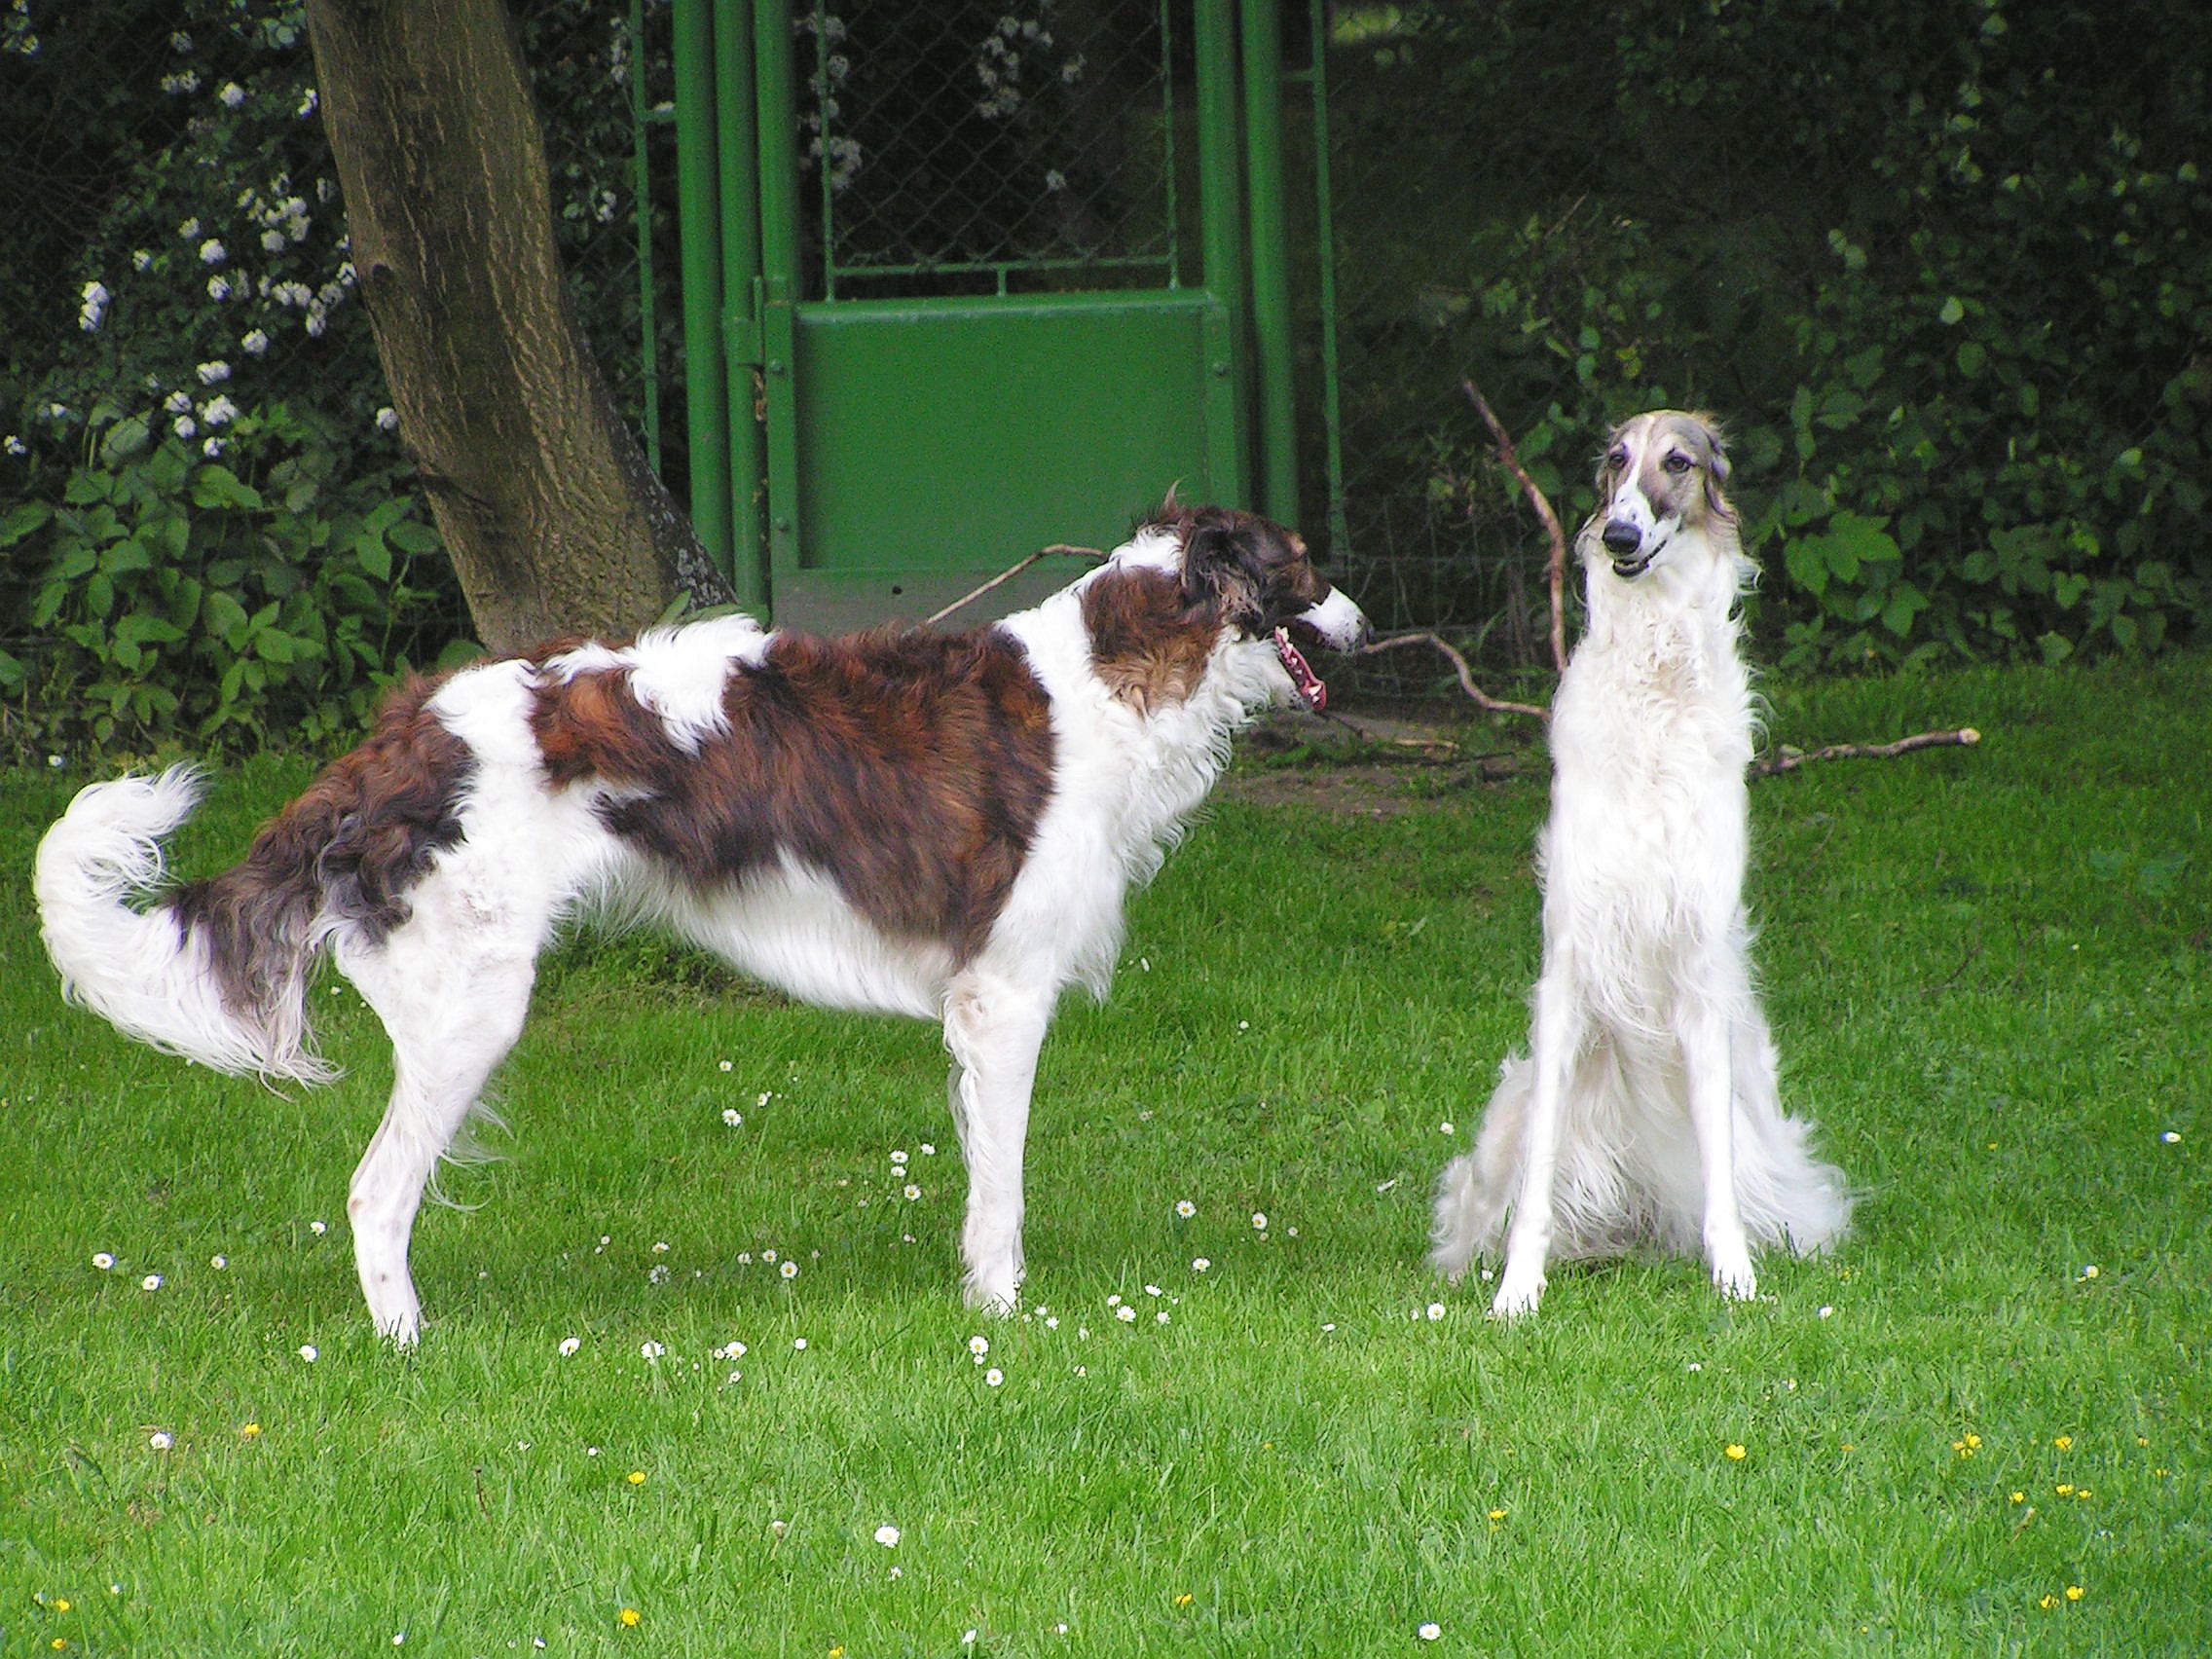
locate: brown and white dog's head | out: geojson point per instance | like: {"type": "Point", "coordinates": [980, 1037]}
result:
{"type": "Point", "coordinates": [1658, 484]}
{"type": "Point", "coordinates": [1186, 575]}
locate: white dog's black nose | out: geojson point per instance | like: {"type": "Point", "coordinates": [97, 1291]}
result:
{"type": "Point", "coordinates": [1621, 537]}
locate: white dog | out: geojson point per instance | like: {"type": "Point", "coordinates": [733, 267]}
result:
{"type": "Point", "coordinates": [1645, 1112]}
{"type": "Point", "coordinates": [939, 825]}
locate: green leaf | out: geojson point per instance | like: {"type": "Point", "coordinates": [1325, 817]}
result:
{"type": "Point", "coordinates": [22, 519]}
{"type": "Point", "coordinates": [215, 485]}
{"type": "Point", "coordinates": [1972, 358]}
{"type": "Point", "coordinates": [1807, 564]}
{"type": "Point", "coordinates": [1952, 312]}
{"type": "Point", "coordinates": [127, 437]}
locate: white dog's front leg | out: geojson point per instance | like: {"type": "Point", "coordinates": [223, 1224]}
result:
{"type": "Point", "coordinates": [1554, 1035]}
{"type": "Point", "coordinates": [993, 1029]}
{"type": "Point", "coordinates": [1702, 1033]}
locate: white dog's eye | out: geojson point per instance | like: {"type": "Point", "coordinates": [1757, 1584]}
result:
{"type": "Point", "coordinates": [1617, 460]}
{"type": "Point", "coordinates": [1677, 463]}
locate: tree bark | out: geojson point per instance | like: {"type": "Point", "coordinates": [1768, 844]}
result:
{"type": "Point", "coordinates": [555, 523]}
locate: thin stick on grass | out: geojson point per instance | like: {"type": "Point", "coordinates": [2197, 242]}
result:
{"type": "Point", "coordinates": [1787, 759]}
{"type": "Point", "coordinates": [1509, 457]}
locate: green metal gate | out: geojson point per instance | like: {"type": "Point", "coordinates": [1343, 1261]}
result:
{"type": "Point", "coordinates": [942, 258]}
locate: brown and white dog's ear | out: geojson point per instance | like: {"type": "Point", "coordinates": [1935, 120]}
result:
{"type": "Point", "coordinates": [1224, 564]}
{"type": "Point", "coordinates": [1716, 467]}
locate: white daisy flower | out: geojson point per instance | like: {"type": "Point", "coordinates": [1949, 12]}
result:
{"type": "Point", "coordinates": [978, 1344]}
{"type": "Point", "coordinates": [218, 1263]}
{"type": "Point", "coordinates": [897, 1157]}
{"type": "Point", "coordinates": [1185, 1208]}
{"type": "Point", "coordinates": [1200, 1264]}
{"type": "Point", "coordinates": [570, 1344]}
{"type": "Point", "coordinates": [1429, 1631]}
{"type": "Point", "coordinates": [651, 1353]}
{"type": "Point", "coordinates": [318, 1228]}
{"type": "Point", "coordinates": [1126, 1314]}
{"type": "Point", "coordinates": [1260, 1220]}
{"type": "Point", "coordinates": [732, 1116]}
{"type": "Point", "coordinates": [790, 1269]}
{"type": "Point", "coordinates": [800, 1343]}
{"type": "Point", "coordinates": [152, 1281]}
{"type": "Point", "coordinates": [309, 1352]}
{"type": "Point", "coordinates": [887, 1535]}
{"type": "Point", "coordinates": [993, 1378]}
{"type": "Point", "coordinates": [161, 1440]}
{"type": "Point", "coordinates": [911, 1191]}
{"type": "Point", "coordinates": [102, 1260]}
{"type": "Point", "coordinates": [1436, 1310]}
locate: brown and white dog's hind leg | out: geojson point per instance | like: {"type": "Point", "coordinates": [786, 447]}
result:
{"type": "Point", "coordinates": [453, 1006]}
{"type": "Point", "coordinates": [993, 1027]}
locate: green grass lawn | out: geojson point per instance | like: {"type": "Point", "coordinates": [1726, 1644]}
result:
{"type": "Point", "coordinates": [1991, 976]}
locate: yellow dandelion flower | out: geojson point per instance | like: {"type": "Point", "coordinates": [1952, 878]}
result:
{"type": "Point", "coordinates": [2074, 1592]}
{"type": "Point", "coordinates": [1848, 1447]}
{"type": "Point", "coordinates": [2083, 1492]}
{"type": "Point", "coordinates": [1973, 1442]}
{"type": "Point", "coordinates": [2065, 1443]}
{"type": "Point", "coordinates": [1735, 1453]}
{"type": "Point", "coordinates": [61, 1603]}
{"type": "Point", "coordinates": [630, 1617]}
{"type": "Point", "coordinates": [838, 1651]}
{"type": "Point", "coordinates": [1497, 1515]}
{"type": "Point", "coordinates": [2019, 1497]}
{"type": "Point", "coordinates": [59, 1642]}
{"type": "Point", "coordinates": [1184, 1600]}
{"type": "Point", "coordinates": [251, 1431]}
{"type": "Point", "coordinates": [2065, 1488]}
{"type": "Point", "coordinates": [636, 1477]}
{"type": "Point", "coordinates": [2048, 1603]}
{"type": "Point", "coordinates": [2142, 1440]}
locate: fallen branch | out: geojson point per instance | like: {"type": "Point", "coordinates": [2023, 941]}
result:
{"type": "Point", "coordinates": [1509, 457]}
{"type": "Point", "coordinates": [1495, 705]}
{"type": "Point", "coordinates": [1009, 573]}
{"type": "Point", "coordinates": [1788, 759]}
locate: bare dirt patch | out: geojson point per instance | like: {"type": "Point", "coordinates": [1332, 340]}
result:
{"type": "Point", "coordinates": [1375, 764]}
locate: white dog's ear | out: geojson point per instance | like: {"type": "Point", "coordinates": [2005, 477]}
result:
{"type": "Point", "coordinates": [1716, 467]}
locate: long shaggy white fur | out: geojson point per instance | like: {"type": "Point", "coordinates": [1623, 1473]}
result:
{"type": "Point", "coordinates": [1646, 1112]}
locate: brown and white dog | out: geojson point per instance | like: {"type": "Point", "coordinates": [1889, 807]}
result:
{"type": "Point", "coordinates": [1646, 1112]}
{"type": "Point", "coordinates": [944, 826]}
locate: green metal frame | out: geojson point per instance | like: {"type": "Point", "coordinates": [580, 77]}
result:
{"type": "Point", "coordinates": [806, 372]}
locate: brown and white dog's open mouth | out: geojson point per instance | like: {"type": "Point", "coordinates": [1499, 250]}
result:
{"type": "Point", "coordinates": [1309, 687]}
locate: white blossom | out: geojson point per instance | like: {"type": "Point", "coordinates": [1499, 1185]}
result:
{"type": "Point", "coordinates": [306, 103]}
{"type": "Point", "coordinates": [14, 445]}
{"type": "Point", "coordinates": [184, 426]}
{"type": "Point", "coordinates": [218, 287]}
{"type": "Point", "coordinates": [253, 342]}
{"type": "Point", "coordinates": [142, 259]}
{"type": "Point", "coordinates": [177, 402]}
{"type": "Point", "coordinates": [213, 449]}
{"type": "Point", "coordinates": [233, 94]}
{"type": "Point", "coordinates": [219, 410]}
{"type": "Point", "coordinates": [273, 241]}
{"type": "Point", "coordinates": [212, 373]}
{"type": "Point", "coordinates": [212, 252]}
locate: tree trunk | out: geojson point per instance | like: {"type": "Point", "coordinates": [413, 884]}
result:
{"type": "Point", "coordinates": [554, 520]}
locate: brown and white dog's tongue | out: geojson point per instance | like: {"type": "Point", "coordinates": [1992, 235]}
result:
{"type": "Point", "coordinates": [1311, 690]}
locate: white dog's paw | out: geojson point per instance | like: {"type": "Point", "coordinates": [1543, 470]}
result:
{"type": "Point", "coordinates": [998, 1293]}
{"type": "Point", "coordinates": [1517, 1293]}
{"type": "Point", "coordinates": [1733, 1278]}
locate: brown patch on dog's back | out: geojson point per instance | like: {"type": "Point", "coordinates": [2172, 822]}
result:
{"type": "Point", "coordinates": [912, 768]}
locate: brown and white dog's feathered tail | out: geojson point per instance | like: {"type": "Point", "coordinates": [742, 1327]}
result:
{"type": "Point", "coordinates": [154, 973]}
{"type": "Point", "coordinates": [217, 969]}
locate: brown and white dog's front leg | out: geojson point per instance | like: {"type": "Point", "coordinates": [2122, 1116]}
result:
{"type": "Point", "coordinates": [993, 1029]}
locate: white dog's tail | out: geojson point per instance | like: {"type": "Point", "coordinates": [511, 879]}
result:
{"type": "Point", "coordinates": [203, 972]}
{"type": "Point", "coordinates": [217, 969]}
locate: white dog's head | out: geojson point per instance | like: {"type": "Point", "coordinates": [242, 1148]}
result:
{"type": "Point", "coordinates": [1659, 480]}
